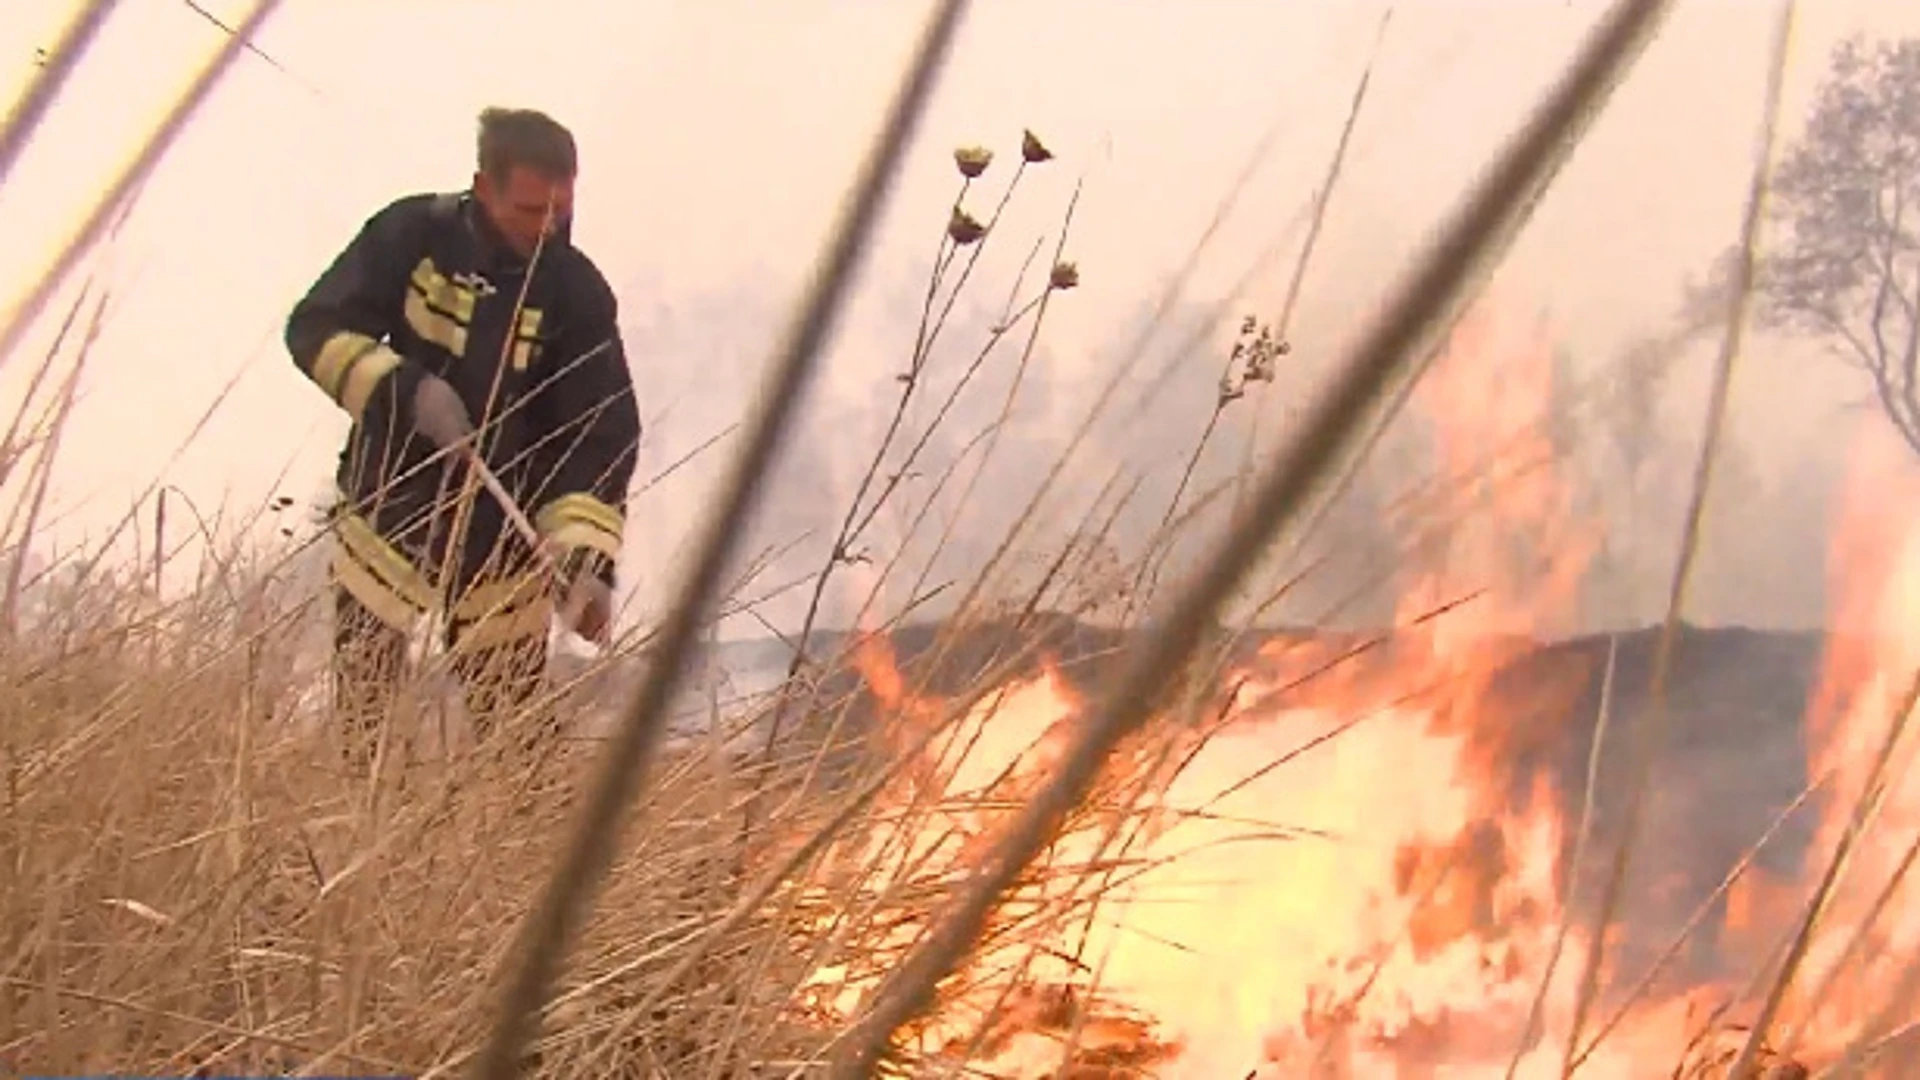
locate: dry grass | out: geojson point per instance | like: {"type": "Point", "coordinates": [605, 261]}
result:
{"type": "Point", "coordinates": [191, 885]}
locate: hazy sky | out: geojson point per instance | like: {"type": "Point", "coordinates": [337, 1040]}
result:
{"type": "Point", "coordinates": [717, 136]}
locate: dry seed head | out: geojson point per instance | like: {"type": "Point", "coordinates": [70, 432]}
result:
{"type": "Point", "coordinates": [962, 229]}
{"type": "Point", "coordinates": [1229, 391]}
{"type": "Point", "coordinates": [1032, 150]}
{"type": "Point", "coordinates": [1065, 276]}
{"type": "Point", "coordinates": [1257, 351]}
{"type": "Point", "coordinates": [972, 160]}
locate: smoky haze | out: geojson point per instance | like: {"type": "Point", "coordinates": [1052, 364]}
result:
{"type": "Point", "coordinates": [1619, 438]}
{"type": "Point", "coordinates": [1606, 270]}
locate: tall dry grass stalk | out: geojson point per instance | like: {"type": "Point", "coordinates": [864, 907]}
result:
{"type": "Point", "coordinates": [1645, 735]}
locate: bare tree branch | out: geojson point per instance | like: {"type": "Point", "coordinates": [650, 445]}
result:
{"type": "Point", "coordinates": [1849, 252]}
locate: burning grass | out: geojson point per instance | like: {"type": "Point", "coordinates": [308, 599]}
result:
{"type": "Point", "coordinates": [1358, 865]}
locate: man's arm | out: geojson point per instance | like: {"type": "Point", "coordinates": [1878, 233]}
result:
{"type": "Point", "coordinates": [335, 332]}
{"type": "Point", "coordinates": [594, 428]}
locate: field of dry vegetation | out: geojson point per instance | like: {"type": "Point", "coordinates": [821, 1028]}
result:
{"type": "Point", "coordinates": [1046, 835]}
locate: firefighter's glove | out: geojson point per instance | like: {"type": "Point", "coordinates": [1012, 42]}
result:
{"type": "Point", "coordinates": [439, 414]}
{"type": "Point", "coordinates": [588, 608]}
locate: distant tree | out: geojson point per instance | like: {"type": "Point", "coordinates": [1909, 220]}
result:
{"type": "Point", "coordinates": [1848, 198]}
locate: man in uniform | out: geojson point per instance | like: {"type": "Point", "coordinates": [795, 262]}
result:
{"type": "Point", "coordinates": [467, 325]}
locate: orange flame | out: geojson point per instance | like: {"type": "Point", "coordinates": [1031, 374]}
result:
{"type": "Point", "coordinates": [1357, 874]}
{"type": "Point", "coordinates": [1858, 965]}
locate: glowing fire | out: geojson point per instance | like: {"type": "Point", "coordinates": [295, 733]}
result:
{"type": "Point", "coordinates": [1386, 901]}
{"type": "Point", "coordinates": [1860, 968]}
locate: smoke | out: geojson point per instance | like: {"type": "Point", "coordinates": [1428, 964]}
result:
{"type": "Point", "coordinates": [984, 428]}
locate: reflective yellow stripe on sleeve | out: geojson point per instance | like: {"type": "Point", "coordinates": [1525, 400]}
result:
{"type": "Point", "coordinates": [377, 574]}
{"type": "Point", "coordinates": [580, 520]}
{"type": "Point", "coordinates": [499, 612]}
{"type": "Point", "coordinates": [349, 367]}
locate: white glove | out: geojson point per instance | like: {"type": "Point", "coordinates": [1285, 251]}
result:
{"type": "Point", "coordinates": [438, 412]}
{"type": "Point", "coordinates": [588, 609]}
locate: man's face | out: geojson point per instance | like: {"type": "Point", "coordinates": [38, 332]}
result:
{"type": "Point", "coordinates": [524, 204]}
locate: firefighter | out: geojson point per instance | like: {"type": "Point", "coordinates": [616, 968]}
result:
{"type": "Point", "coordinates": [457, 323]}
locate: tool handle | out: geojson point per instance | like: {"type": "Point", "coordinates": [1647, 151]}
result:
{"type": "Point", "coordinates": [508, 503]}
{"type": "Point", "coordinates": [519, 519]}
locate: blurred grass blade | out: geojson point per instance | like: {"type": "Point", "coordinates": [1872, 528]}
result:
{"type": "Point", "coordinates": [1433, 290]}
{"type": "Point", "coordinates": [15, 324]}
{"type": "Point", "coordinates": [547, 933]}
{"type": "Point", "coordinates": [49, 77]}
